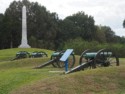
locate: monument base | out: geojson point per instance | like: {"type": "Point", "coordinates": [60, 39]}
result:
{"type": "Point", "coordinates": [24, 46]}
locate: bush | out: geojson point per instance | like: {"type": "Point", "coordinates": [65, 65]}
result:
{"type": "Point", "coordinates": [79, 45]}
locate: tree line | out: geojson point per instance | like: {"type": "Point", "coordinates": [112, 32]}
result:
{"type": "Point", "coordinates": [46, 30]}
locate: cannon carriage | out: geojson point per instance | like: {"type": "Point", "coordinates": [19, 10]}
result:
{"type": "Point", "coordinates": [88, 59]}
{"type": "Point", "coordinates": [55, 60]}
{"type": "Point", "coordinates": [21, 55]}
{"type": "Point", "coordinates": [37, 54]}
{"type": "Point", "coordinates": [101, 58]}
{"type": "Point", "coordinates": [59, 64]}
{"type": "Point", "coordinates": [25, 54]}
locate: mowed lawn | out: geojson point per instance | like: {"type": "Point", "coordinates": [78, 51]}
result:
{"type": "Point", "coordinates": [14, 74]}
{"type": "Point", "coordinates": [20, 77]}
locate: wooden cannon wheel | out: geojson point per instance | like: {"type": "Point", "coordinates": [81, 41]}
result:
{"type": "Point", "coordinates": [60, 64]}
{"type": "Point", "coordinates": [88, 62]}
{"type": "Point", "coordinates": [54, 64]}
{"type": "Point", "coordinates": [101, 58]}
{"type": "Point", "coordinates": [82, 58]}
{"type": "Point", "coordinates": [106, 58]}
{"type": "Point", "coordinates": [71, 62]}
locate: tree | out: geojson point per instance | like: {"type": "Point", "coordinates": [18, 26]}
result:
{"type": "Point", "coordinates": [100, 35]}
{"type": "Point", "coordinates": [78, 25]}
{"type": "Point", "coordinates": [12, 24]}
{"type": "Point", "coordinates": [41, 24]}
{"type": "Point", "coordinates": [1, 22]}
{"type": "Point", "coordinates": [124, 23]}
{"type": "Point", "coordinates": [1, 29]}
{"type": "Point", "coordinates": [46, 30]}
{"type": "Point", "coordinates": [109, 34]}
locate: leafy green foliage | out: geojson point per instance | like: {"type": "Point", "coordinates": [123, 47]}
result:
{"type": "Point", "coordinates": [78, 25]}
{"type": "Point", "coordinates": [79, 45]}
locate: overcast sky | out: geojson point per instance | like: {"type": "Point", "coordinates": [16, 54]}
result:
{"type": "Point", "coordinates": [105, 12]}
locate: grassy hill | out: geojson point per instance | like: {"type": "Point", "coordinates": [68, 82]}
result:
{"type": "Point", "coordinates": [8, 54]}
{"type": "Point", "coordinates": [19, 77]}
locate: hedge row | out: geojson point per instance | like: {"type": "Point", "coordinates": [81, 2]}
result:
{"type": "Point", "coordinates": [80, 45]}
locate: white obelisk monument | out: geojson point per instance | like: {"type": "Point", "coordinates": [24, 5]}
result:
{"type": "Point", "coordinates": [24, 43]}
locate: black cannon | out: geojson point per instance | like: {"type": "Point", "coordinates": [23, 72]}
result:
{"type": "Point", "coordinates": [22, 54]}
{"type": "Point", "coordinates": [54, 60]}
{"type": "Point", "coordinates": [101, 58]}
{"type": "Point", "coordinates": [37, 54]}
{"type": "Point", "coordinates": [59, 64]}
{"type": "Point", "coordinates": [25, 54]}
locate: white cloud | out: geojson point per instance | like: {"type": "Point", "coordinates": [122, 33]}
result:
{"type": "Point", "coordinates": [105, 12]}
{"type": "Point", "coordinates": [3, 5]}
{"type": "Point", "coordinates": [120, 31]}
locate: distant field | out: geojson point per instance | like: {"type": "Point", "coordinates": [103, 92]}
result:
{"type": "Point", "coordinates": [19, 77]}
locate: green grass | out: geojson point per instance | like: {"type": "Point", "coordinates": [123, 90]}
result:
{"type": "Point", "coordinates": [9, 54]}
{"type": "Point", "coordinates": [19, 72]}
{"type": "Point", "coordinates": [97, 81]}
{"type": "Point", "coordinates": [13, 78]}
{"type": "Point", "coordinates": [19, 77]}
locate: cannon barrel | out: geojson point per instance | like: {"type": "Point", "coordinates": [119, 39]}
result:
{"type": "Point", "coordinates": [22, 54]}
{"type": "Point", "coordinates": [94, 54]}
{"type": "Point", "coordinates": [55, 54]}
{"type": "Point", "coordinates": [38, 54]}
